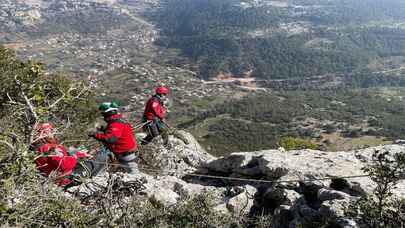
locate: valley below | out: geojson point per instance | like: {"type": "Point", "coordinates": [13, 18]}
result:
{"type": "Point", "coordinates": [294, 71]}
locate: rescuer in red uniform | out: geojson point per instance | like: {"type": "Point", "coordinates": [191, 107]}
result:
{"type": "Point", "coordinates": [154, 115]}
{"type": "Point", "coordinates": [64, 166]}
{"type": "Point", "coordinates": [117, 137]}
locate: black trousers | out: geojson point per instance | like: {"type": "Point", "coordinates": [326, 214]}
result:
{"type": "Point", "coordinates": [88, 168]}
{"type": "Point", "coordinates": [154, 129]}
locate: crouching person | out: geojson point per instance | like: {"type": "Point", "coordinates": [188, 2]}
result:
{"type": "Point", "coordinates": [53, 160]}
{"type": "Point", "coordinates": [117, 137]}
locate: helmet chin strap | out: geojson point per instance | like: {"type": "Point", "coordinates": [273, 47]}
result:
{"type": "Point", "coordinates": [106, 115]}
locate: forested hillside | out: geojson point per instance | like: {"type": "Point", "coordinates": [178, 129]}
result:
{"type": "Point", "coordinates": [294, 39]}
{"type": "Point", "coordinates": [326, 72]}
{"type": "Point", "coordinates": [332, 119]}
{"type": "Point", "coordinates": [184, 186]}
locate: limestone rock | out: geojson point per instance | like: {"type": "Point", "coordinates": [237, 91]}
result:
{"type": "Point", "coordinates": [347, 223]}
{"type": "Point", "coordinates": [291, 196]}
{"type": "Point", "coordinates": [305, 165]}
{"type": "Point", "coordinates": [184, 154]}
{"type": "Point", "coordinates": [333, 209]}
{"type": "Point", "coordinates": [185, 189]}
{"type": "Point", "coordinates": [352, 188]}
{"type": "Point", "coordinates": [243, 202]}
{"type": "Point", "coordinates": [291, 203]}
{"type": "Point", "coordinates": [163, 197]}
{"type": "Point", "coordinates": [326, 194]}
{"type": "Point", "coordinates": [222, 208]}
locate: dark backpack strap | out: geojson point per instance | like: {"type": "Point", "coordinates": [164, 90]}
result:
{"type": "Point", "coordinates": [158, 99]}
{"type": "Point", "coordinates": [119, 121]}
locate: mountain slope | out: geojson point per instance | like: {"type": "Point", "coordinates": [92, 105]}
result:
{"type": "Point", "coordinates": [287, 40]}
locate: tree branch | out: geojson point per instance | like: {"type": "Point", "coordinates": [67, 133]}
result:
{"type": "Point", "coordinates": [27, 100]}
{"type": "Point", "coordinates": [58, 100]}
{"type": "Point", "coordinates": [7, 144]}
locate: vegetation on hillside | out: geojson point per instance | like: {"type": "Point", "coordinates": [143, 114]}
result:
{"type": "Point", "coordinates": [224, 37]}
{"type": "Point", "coordinates": [29, 199]}
{"type": "Point", "coordinates": [84, 21]}
{"type": "Point", "coordinates": [260, 120]}
{"type": "Point", "coordinates": [29, 96]}
{"type": "Point", "coordinates": [381, 210]}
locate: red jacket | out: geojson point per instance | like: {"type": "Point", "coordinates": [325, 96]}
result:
{"type": "Point", "coordinates": [118, 135]}
{"type": "Point", "coordinates": [154, 108]}
{"type": "Point", "coordinates": [54, 158]}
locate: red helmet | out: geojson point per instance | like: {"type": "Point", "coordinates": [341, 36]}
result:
{"type": "Point", "coordinates": [45, 127]}
{"type": "Point", "coordinates": [162, 90]}
{"type": "Point", "coordinates": [44, 130]}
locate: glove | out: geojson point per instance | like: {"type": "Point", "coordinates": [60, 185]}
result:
{"type": "Point", "coordinates": [92, 133]}
{"type": "Point", "coordinates": [81, 154]}
{"type": "Point", "coordinates": [101, 128]}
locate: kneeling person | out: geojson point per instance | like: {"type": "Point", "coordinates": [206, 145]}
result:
{"type": "Point", "coordinates": [118, 137]}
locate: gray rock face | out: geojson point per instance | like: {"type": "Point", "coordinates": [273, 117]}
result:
{"type": "Point", "coordinates": [242, 203]}
{"type": "Point", "coordinates": [333, 209]}
{"type": "Point", "coordinates": [299, 199]}
{"type": "Point", "coordinates": [326, 194]}
{"type": "Point", "coordinates": [291, 196]}
{"type": "Point", "coordinates": [305, 165]}
{"type": "Point", "coordinates": [184, 154]}
{"type": "Point", "coordinates": [163, 197]}
{"type": "Point", "coordinates": [291, 203]}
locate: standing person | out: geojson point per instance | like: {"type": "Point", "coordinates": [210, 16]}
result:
{"type": "Point", "coordinates": [154, 117]}
{"type": "Point", "coordinates": [54, 160]}
{"type": "Point", "coordinates": [117, 136]}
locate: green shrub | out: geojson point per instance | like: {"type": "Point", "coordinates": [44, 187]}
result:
{"type": "Point", "coordinates": [381, 209]}
{"type": "Point", "coordinates": [290, 143]}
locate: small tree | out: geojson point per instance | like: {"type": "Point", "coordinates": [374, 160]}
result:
{"type": "Point", "coordinates": [29, 96]}
{"type": "Point", "coordinates": [380, 209]}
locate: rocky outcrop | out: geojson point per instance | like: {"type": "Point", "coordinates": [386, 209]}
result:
{"type": "Point", "coordinates": [302, 187]}
{"type": "Point", "coordinates": [306, 166]}
{"type": "Point", "coordinates": [184, 154]}
{"type": "Point", "coordinates": [308, 186]}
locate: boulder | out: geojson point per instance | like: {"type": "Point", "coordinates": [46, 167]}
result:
{"type": "Point", "coordinates": [163, 197]}
{"type": "Point", "coordinates": [222, 208]}
{"type": "Point", "coordinates": [347, 223]}
{"type": "Point", "coordinates": [186, 190]}
{"type": "Point", "coordinates": [291, 197]}
{"type": "Point", "coordinates": [192, 152]}
{"type": "Point", "coordinates": [327, 194]}
{"type": "Point", "coordinates": [242, 203]}
{"type": "Point", "coordinates": [334, 209]}
{"type": "Point", "coordinates": [184, 154]}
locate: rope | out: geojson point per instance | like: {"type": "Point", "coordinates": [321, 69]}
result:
{"type": "Point", "coordinates": [141, 125]}
{"type": "Point", "coordinates": [222, 177]}
{"type": "Point", "coordinates": [238, 178]}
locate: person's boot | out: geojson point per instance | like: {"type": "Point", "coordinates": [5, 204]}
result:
{"type": "Point", "coordinates": [132, 168]}
{"type": "Point", "coordinates": [165, 138]}
{"type": "Point", "coordinates": [145, 141]}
